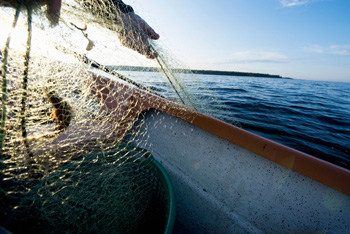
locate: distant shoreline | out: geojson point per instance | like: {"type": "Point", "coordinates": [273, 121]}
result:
{"type": "Point", "coordinates": [194, 71]}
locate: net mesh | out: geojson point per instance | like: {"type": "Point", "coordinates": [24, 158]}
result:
{"type": "Point", "coordinates": [66, 166]}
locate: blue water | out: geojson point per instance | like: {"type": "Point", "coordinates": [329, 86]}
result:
{"type": "Point", "coordinates": [310, 116]}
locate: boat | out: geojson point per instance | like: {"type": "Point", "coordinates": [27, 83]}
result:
{"type": "Point", "coordinates": [224, 179]}
{"type": "Point", "coordinates": [228, 180]}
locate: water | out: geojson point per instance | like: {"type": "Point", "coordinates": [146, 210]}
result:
{"type": "Point", "coordinates": [310, 116]}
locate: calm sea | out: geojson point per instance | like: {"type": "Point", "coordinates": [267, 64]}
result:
{"type": "Point", "coordinates": [311, 116]}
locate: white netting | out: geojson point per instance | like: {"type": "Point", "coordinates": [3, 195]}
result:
{"type": "Point", "coordinates": [66, 165]}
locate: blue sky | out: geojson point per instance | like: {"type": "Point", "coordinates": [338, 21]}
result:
{"type": "Point", "coordinates": [305, 39]}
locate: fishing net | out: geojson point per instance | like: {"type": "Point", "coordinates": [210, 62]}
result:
{"type": "Point", "coordinates": [69, 160]}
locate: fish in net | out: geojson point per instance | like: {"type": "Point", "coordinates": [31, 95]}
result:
{"type": "Point", "coordinates": [70, 162]}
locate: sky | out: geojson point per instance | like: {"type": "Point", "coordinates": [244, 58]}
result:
{"type": "Point", "coordinates": [303, 39]}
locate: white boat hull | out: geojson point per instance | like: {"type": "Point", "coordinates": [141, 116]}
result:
{"type": "Point", "coordinates": [228, 180]}
{"type": "Point", "coordinates": [223, 188]}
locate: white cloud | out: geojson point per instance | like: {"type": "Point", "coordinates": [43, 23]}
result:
{"type": "Point", "coordinates": [343, 50]}
{"type": "Point", "coordinates": [258, 57]}
{"type": "Point", "coordinates": [314, 49]}
{"type": "Point", "coordinates": [291, 3]}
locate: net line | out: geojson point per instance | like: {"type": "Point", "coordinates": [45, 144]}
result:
{"type": "Point", "coordinates": [68, 137]}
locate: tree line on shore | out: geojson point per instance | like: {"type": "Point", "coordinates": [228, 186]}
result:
{"type": "Point", "coordinates": [204, 72]}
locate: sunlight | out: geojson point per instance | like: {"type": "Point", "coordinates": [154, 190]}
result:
{"type": "Point", "coordinates": [19, 35]}
{"type": "Point", "coordinates": [46, 39]}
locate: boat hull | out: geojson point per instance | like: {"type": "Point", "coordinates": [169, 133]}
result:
{"type": "Point", "coordinates": [228, 180]}
{"type": "Point", "coordinates": [223, 188]}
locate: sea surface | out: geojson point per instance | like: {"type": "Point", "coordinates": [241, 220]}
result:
{"type": "Point", "coordinates": [310, 116]}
